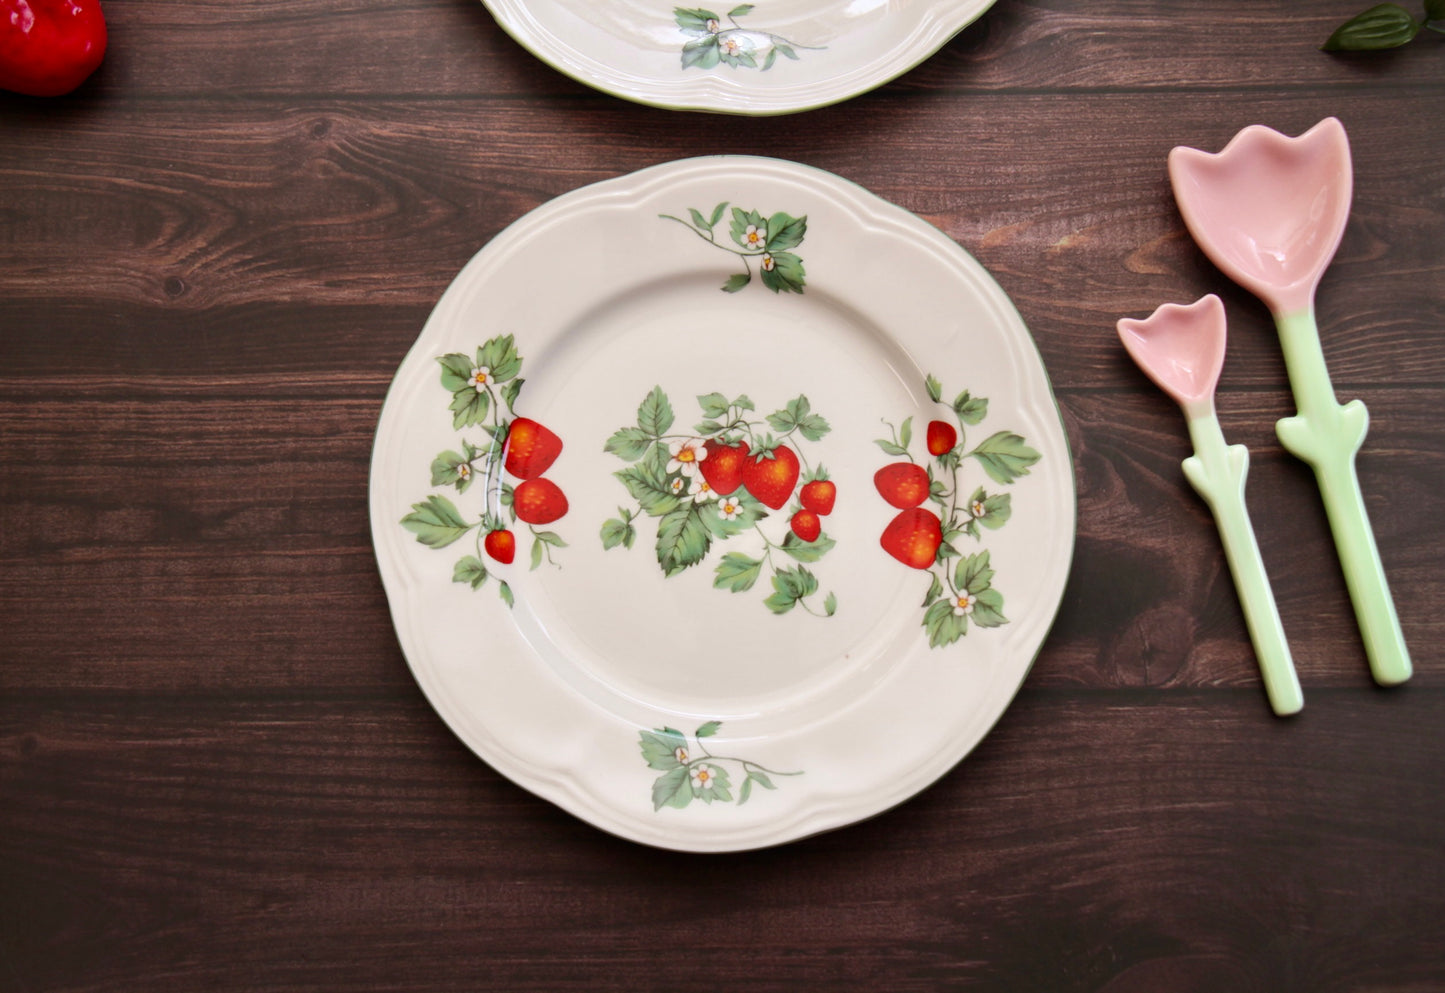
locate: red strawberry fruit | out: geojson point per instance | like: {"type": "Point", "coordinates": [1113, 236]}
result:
{"type": "Point", "coordinates": [538, 501]}
{"type": "Point", "coordinates": [903, 484]}
{"type": "Point", "coordinates": [941, 437]}
{"type": "Point", "coordinates": [501, 545]}
{"type": "Point", "coordinates": [806, 525]}
{"type": "Point", "coordinates": [771, 480]}
{"type": "Point", "coordinates": [913, 537]}
{"type": "Point", "coordinates": [723, 466]}
{"type": "Point", "coordinates": [818, 496]}
{"type": "Point", "coordinates": [531, 449]}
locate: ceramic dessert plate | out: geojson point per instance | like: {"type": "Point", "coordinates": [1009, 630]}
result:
{"type": "Point", "coordinates": [770, 57]}
{"type": "Point", "coordinates": [722, 503]}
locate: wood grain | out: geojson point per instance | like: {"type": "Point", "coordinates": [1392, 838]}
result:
{"type": "Point", "coordinates": [216, 771]}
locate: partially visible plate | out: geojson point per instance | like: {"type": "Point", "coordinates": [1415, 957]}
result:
{"type": "Point", "coordinates": [695, 407]}
{"type": "Point", "coordinates": [769, 57]}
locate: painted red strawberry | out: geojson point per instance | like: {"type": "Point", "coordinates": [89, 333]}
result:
{"type": "Point", "coordinates": [771, 480]}
{"type": "Point", "coordinates": [818, 496]}
{"type": "Point", "coordinates": [531, 449]}
{"type": "Point", "coordinates": [501, 545]}
{"type": "Point", "coordinates": [806, 525]}
{"type": "Point", "coordinates": [723, 466]}
{"type": "Point", "coordinates": [942, 436]}
{"type": "Point", "coordinates": [538, 501]}
{"type": "Point", "coordinates": [913, 537]}
{"type": "Point", "coordinates": [903, 484]}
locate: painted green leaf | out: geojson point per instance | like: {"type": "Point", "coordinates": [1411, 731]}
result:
{"type": "Point", "coordinates": [660, 747]}
{"type": "Point", "coordinates": [717, 788]}
{"type": "Point", "coordinates": [973, 573]}
{"type": "Point", "coordinates": [935, 590]}
{"type": "Point", "coordinates": [944, 627]}
{"type": "Point", "coordinates": [672, 789]}
{"type": "Point", "coordinates": [707, 428]}
{"type": "Point", "coordinates": [701, 53]}
{"type": "Point", "coordinates": [786, 51]}
{"type": "Point", "coordinates": [653, 497]}
{"type": "Point", "coordinates": [713, 405]}
{"type": "Point", "coordinates": [446, 470]}
{"type": "Point", "coordinates": [617, 532]}
{"type": "Point", "coordinates": [737, 572]}
{"type": "Point", "coordinates": [767, 64]}
{"type": "Point", "coordinates": [707, 730]}
{"type": "Point", "coordinates": [970, 409]}
{"type": "Point", "coordinates": [905, 432]}
{"type": "Point", "coordinates": [510, 391]}
{"type": "Point", "coordinates": [891, 447]}
{"type": "Point", "coordinates": [740, 10]}
{"type": "Point", "coordinates": [741, 221]}
{"type": "Point", "coordinates": [456, 370]}
{"type": "Point", "coordinates": [654, 414]}
{"type": "Point", "coordinates": [807, 551]}
{"type": "Point", "coordinates": [1005, 456]}
{"type": "Point", "coordinates": [934, 387]}
{"type": "Point", "coordinates": [988, 609]}
{"type": "Point", "coordinates": [786, 274]}
{"type": "Point", "coordinates": [682, 540]}
{"type": "Point", "coordinates": [500, 356]}
{"type": "Point", "coordinates": [717, 215]}
{"type": "Point", "coordinates": [693, 19]}
{"type": "Point", "coordinates": [506, 593]}
{"type": "Point", "coordinates": [997, 509]}
{"type": "Point", "coordinates": [743, 402]}
{"type": "Point", "coordinates": [785, 232]}
{"type": "Point", "coordinates": [470, 570]}
{"type": "Point", "coordinates": [435, 522]}
{"type": "Point", "coordinates": [830, 604]}
{"type": "Point", "coordinates": [698, 220]}
{"type": "Point", "coordinates": [536, 554]}
{"type": "Point", "coordinates": [628, 443]}
{"type": "Point", "coordinates": [1386, 25]}
{"type": "Point", "coordinates": [750, 511]}
{"type": "Point", "coordinates": [737, 281]}
{"type": "Point", "coordinates": [469, 407]}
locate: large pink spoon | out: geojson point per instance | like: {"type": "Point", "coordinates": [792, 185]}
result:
{"type": "Point", "coordinates": [1269, 211]}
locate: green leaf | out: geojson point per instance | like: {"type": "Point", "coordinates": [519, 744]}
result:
{"type": "Point", "coordinates": [740, 10]}
{"type": "Point", "coordinates": [654, 498]}
{"type": "Point", "coordinates": [743, 402]}
{"type": "Point", "coordinates": [944, 627]}
{"type": "Point", "coordinates": [550, 538]}
{"type": "Point", "coordinates": [807, 551]}
{"type": "Point", "coordinates": [701, 52]}
{"type": "Point", "coordinates": [506, 593]}
{"type": "Point", "coordinates": [830, 604]}
{"type": "Point", "coordinates": [510, 391]}
{"type": "Point", "coordinates": [659, 748]}
{"type": "Point", "coordinates": [905, 433]}
{"type": "Point", "coordinates": [682, 540]}
{"type": "Point", "coordinates": [435, 522]}
{"type": "Point", "coordinates": [813, 427]}
{"type": "Point", "coordinates": [935, 590]}
{"type": "Point", "coordinates": [456, 370]}
{"type": "Point", "coordinates": [970, 409]}
{"type": "Point", "coordinates": [747, 789]}
{"type": "Point", "coordinates": [1386, 25]}
{"type": "Point", "coordinates": [891, 447]}
{"type": "Point", "coordinates": [500, 356]}
{"type": "Point", "coordinates": [988, 609]}
{"type": "Point", "coordinates": [934, 387]}
{"type": "Point", "coordinates": [713, 405]}
{"type": "Point", "coordinates": [617, 532]}
{"type": "Point", "coordinates": [717, 214]}
{"type": "Point", "coordinates": [672, 789]}
{"type": "Point", "coordinates": [628, 443]}
{"type": "Point", "coordinates": [767, 64]}
{"type": "Point", "coordinates": [536, 554]}
{"type": "Point", "coordinates": [786, 275]}
{"type": "Point", "coordinates": [786, 50]}
{"type": "Point", "coordinates": [737, 572]}
{"type": "Point", "coordinates": [750, 511]}
{"type": "Point", "coordinates": [997, 509]}
{"type": "Point", "coordinates": [707, 730]}
{"type": "Point", "coordinates": [654, 414]}
{"type": "Point", "coordinates": [1005, 457]}
{"type": "Point", "coordinates": [446, 471]}
{"type": "Point", "coordinates": [741, 221]}
{"type": "Point", "coordinates": [697, 219]}
{"type": "Point", "coordinates": [737, 281]}
{"type": "Point", "coordinates": [973, 573]}
{"type": "Point", "coordinates": [470, 570]}
{"type": "Point", "coordinates": [469, 407]}
{"type": "Point", "coordinates": [785, 232]}
{"type": "Point", "coordinates": [718, 790]}
{"type": "Point", "coordinates": [707, 428]}
{"type": "Point", "coordinates": [693, 19]}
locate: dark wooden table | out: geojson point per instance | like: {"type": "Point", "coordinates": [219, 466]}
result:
{"type": "Point", "coordinates": [216, 771]}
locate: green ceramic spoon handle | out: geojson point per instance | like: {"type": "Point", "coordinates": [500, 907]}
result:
{"type": "Point", "coordinates": [1327, 434]}
{"type": "Point", "coordinates": [1217, 472]}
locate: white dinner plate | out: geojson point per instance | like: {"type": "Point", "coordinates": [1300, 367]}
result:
{"type": "Point", "coordinates": [788, 502]}
{"type": "Point", "coordinates": [769, 57]}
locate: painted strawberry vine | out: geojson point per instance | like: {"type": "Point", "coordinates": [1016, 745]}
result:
{"type": "Point", "coordinates": [713, 40]}
{"type": "Point", "coordinates": [769, 240]}
{"type": "Point", "coordinates": [690, 772]}
{"type": "Point", "coordinates": [719, 482]}
{"type": "Point", "coordinates": [509, 457]}
{"type": "Point", "coordinates": [961, 588]}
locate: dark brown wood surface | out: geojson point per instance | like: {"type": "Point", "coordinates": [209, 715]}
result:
{"type": "Point", "coordinates": [216, 772]}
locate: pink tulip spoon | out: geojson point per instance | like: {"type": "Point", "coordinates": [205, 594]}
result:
{"type": "Point", "coordinates": [1182, 350]}
{"type": "Point", "coordinates": [1269, 211]}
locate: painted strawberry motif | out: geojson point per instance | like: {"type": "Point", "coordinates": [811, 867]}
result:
{"type": "Point", "coordinates": [818, 496]}
{"type": "Point", "coordinates": [942, 436]}
{"type": "Point", "coordinates": [723, 466]}
{"type": "Point", "coordinates": [501, 545]}
{"type": "Point", "coordinates": [806, 525]}
{"type": "Point", "coordinates": [538, 501]}
{"type": "Point", "coordinates": [531, 449]}
{"type": "Point", "coordinates": [771, 480]}
{"type": "Point", "coordinates": [903, 484]}
{"type": "Point", "coordinates": [913, 537]}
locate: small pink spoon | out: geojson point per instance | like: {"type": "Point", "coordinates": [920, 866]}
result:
{"type": "Point", "coordinates": [1182, 350]}
{"type": "Point", "coordinates": [1269, 211]}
